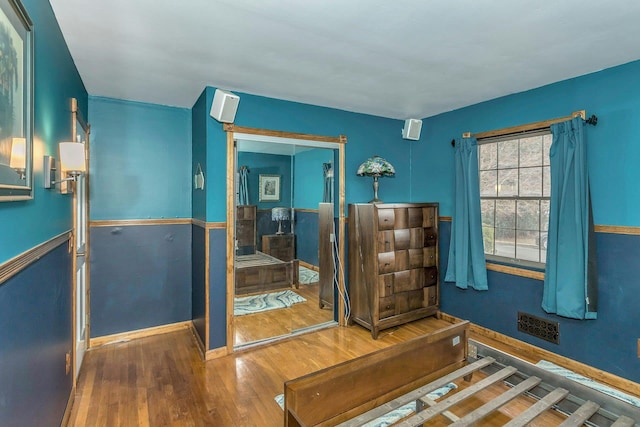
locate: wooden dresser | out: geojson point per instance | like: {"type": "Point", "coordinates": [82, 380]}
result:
{"type": "Point", "coordinates": [245, 230]}
{"type": "Point", "coordinates": [393, 263]}
{"type": "Point", "coordinates": [281, 246]}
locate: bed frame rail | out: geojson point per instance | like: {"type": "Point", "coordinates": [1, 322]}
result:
{"type": "Point", "coordinates": [335, 394]}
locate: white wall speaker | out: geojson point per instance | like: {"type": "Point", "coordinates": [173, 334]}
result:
{"type": "Point", "coordinates": [224, 106]}
{"type": "Point", "coordinates": [412, 128]}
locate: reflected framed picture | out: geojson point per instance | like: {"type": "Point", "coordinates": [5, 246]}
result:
{"type": "Point", "coordinates": [16, 101]}
{"type": "Point", "coordinates": [269, 188]}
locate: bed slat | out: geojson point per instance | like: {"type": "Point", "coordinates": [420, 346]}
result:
{"type": "Point", "coordinates": [581, 414]}
{"type": "Point", "coordinates": [538, 408]}
{"type": "Point", "coordinates": [496, 403]}
{"type": "Point", "coordinates": [623, 421]}
{"type": "Point", "coordinates": [417, 394]}
{"type": "Point", "coordinates": [456, 398]}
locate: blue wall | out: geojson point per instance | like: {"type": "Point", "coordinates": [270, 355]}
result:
{"type": "Point", "coordinates": [141, 160]}
{"type": "Point", "coordinates": [35, 304]}
{"type": "Point", "coordinates": [199, 155]}
{"type": "Point", "coordinates": [140, 277]}
{"type": "Point", "coordinates": [610, 342]}
{"type": "Point", "coordinates": [198, 281]}
{"type": "Point", "coordinates": [35, 332]}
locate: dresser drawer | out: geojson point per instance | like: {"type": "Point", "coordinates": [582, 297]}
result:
{"type": "Point", "coordinates": [430, 236]}
{"type": "Point", "coordinates": [387, 307]}
{"type": "Point", "coordinates": [409, 301]}
{"type": "Point", "coordinates": [430, 276]}
{"type": "Point", "coordinates": [429, 256]}
{"type": "Point", "coordinates": [386, 219]}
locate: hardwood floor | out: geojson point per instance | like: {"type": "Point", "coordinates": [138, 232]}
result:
{"type": "Point", "coordinates": [162, 381]}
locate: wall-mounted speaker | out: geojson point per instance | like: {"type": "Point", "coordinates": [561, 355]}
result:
{"type": "Point", "coordinates": [224, 106]}
{"type": "Point", "coordinates": [412, 128]}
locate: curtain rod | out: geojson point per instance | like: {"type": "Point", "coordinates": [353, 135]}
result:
{"type": "Point", "coordinates": [593, 120]}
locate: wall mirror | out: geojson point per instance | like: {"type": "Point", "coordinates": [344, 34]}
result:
{"type": "Point", "coordinates": [287, 204]}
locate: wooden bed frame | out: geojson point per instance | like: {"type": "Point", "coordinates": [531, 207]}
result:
{"type": "Point", "coordinates": [340, 392]}
{"type": "Point", "coordinates": [363, 389]}
{"type": "Point", "coordinates": [259, 273]}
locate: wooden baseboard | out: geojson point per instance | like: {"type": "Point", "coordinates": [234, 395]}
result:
{"type": "Point", "coordinates": [67, 411]}
{"type": "Point", "coordinates": [140, 333]}
{"type": "Point", "coordinates": [534, 354]}
{"type": "Point", "coordinates": [309, 266]}
{"type": "Point", "coordinates": [199, 343]}
{"type": "Point", "coordinates": [216, 353]}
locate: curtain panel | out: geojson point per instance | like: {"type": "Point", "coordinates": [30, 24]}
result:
{"type": "Point", "coordinates": [467, 265]}
{"type": "Point", "coordinates": [570, 283]}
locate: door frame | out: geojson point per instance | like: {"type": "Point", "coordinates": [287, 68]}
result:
{"type": "Point", "coordinates": [76, 117]}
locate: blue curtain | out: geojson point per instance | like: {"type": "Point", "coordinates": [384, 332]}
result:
{"type": "Point", "coordinates": [243, 186]}
{"type": "Point", "coordinates": [570, 287]}
{"type": "Point", "coordinates": [327, 173]}
{"type": "Point", "coordinates": [467, 266]}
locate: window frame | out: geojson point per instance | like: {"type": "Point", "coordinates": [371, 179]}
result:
{"type": "Point", "coordinates": [496, 139]}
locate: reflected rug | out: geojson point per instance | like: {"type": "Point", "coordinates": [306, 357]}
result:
{"type": "Point", "coordinates": [307, 276]}
{"type": "Point", "coordinates": [397, 414]}
{"type": "Point", "coordinates": [264, 302]}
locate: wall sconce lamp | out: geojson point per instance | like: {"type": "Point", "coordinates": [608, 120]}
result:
{"type": "Point", "coordinates": [279, 214]}
{"type": "Point", "coordinates": [18, 159]}
{"type": "Point", "coordinates": [376, 167]}
{"type": "Point", "coordinates": [72, 164]}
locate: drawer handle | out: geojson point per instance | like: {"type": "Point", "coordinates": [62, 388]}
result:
{"type": "Point", "coordinates": [388, 307]}
{"type": "Point", "coordinates": [386, 264]}
{"type": "Point", "coordinates": [386, 241]}
{"type": "Point", "coordinates": [432, 276]}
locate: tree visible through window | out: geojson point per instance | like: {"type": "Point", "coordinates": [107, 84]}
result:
{"type": "Point", "coordinates": [515, 186]}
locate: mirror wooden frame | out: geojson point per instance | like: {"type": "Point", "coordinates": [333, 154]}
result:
{"type": "Point", "coordinates": [231, 130]}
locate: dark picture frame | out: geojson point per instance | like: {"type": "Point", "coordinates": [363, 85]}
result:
{"type": "Point", "coordinates": [16, 100]}
{"type": "Point", "coordinates": [269, 188]}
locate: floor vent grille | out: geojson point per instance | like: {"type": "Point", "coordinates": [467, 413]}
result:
{"type": "Point", "coordinates": [539, 327]}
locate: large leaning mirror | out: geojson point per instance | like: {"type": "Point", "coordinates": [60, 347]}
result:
{"type": "Point", "coordinates": [285, 238]}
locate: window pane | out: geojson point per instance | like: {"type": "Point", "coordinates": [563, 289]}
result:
{"type": "Point", "coordinates": [527, 246]}
{"type": "Point", "coordinates": [507, 154]}
{"type": "Point", "coordinates": [505, 242]}
{"type": "Point", "coordinates": [544, 215]}
{"type": "Point", "coordinates": [488, 239]}
{"type": "Point", "coordinates": [546, 181]}
{"type": "Point", "coordinates": [531, 151]}
{"type": "Point", "coordinates": [488, 212]}
{"type": "Point", "coordinates": [506, 214]}
{"type": "Point", "coordinates": [531, 182]}
{"type": "Point", "coordinates": [546, 144]}
{"type": "Point", "coordinates": [488, 156]}
{"type": "Point", "coordinates": [507, 182]}
{"type": "Point", "coordinates": [528, 215]}
{"type": "Point", "coordinates": [488, 183]}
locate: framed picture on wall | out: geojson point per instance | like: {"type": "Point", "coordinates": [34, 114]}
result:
{"type": "Point", "coordinates": [269, 188]}
{"type": "Point", "coordinates": [16, 101]}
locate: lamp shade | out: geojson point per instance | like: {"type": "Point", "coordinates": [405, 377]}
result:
{"type": "Point", "coordinates": [279, 214]}
{"type": "Point", "coordinates": [72, 158]}
{"type": "Point", "coordinates": [376, 166]}
{"type": "Point", "coordinates": [18, 158]}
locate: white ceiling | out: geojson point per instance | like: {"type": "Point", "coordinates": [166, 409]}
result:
{"type": "Point", "coordinates": [397, 59]}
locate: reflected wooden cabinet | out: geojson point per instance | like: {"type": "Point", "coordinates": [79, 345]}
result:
{"type": "Point", "coordinates": [281, 246]}
{"type": "Point", "coordinates": [393, 263]}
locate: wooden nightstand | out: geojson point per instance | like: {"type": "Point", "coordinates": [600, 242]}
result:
{"type": "Point", "coordinates": [281, 246]}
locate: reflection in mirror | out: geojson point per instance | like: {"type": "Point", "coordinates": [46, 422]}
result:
{"type": "Point", "coordinates": [279, 276]}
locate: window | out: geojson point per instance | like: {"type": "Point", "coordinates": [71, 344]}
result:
{"type": "Point", "coordinates": [515, 185]}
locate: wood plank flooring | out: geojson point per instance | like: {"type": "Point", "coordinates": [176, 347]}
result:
{"type": "Point", "coordinates": [161, 380]}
